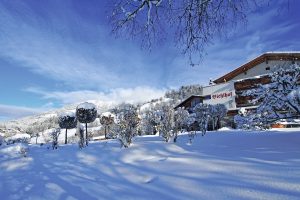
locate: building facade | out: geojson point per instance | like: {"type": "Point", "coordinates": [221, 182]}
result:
{"type": "Point", "coordinates": [228, 88]}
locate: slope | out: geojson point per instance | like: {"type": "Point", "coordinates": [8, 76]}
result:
{"type": "Point", "coordinates": [221, 165]}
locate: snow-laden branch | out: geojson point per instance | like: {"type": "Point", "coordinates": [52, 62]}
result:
{"type": "Point", "coordinates": [192, 24]}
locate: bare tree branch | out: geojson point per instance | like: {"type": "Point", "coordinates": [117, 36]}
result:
{"type": "Point", "coordinates": [191, 23]}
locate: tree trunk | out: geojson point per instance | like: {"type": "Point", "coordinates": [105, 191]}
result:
{"type": "Point", "coordinates": [175, 138]}
{"type": "Point", "coordinates": [219, 123]}
{"type": "Point", "coordinates": [86, 135]}
{"type": "Point", "coordinates": [105, 131]}
{"type": "Point", "coordinates": [66, 136]}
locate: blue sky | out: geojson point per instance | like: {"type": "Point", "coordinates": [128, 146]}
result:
{"type": "Point", "coordinates": [54, 53]}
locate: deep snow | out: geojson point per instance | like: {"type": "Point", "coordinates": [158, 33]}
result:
{"type": "Point", "coordinates": [221, 165]}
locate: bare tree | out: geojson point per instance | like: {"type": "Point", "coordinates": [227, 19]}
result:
{"type": "Point", "coordinates": [54, 136]}
{"type": "Point", "coordinates": [192, 24]}
{"type": "Point", "coordinates": [106, 121]}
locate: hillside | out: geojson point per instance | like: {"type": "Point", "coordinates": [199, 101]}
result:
{"type": "Point", "coordinates": [48, 119]}
{"type": "Point", "coordinates": [221, 165]}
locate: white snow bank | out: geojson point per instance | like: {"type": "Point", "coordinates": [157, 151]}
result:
{"type": "Point", "coordinates": [235, 165]}
{"type": "Point", "coordinates": [288, 130]}
{"type": "Point", "coordinates": [19, 136]}
{"type": "Point", "coordinates": [14, 150]}
{"type": "Point", "coordinates": [225, 129]}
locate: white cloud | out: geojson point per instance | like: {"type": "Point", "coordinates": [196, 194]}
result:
{"type": "Point", "coordinates": [49, 55]}
{"type": "Point", "coordinates": [8, 112]}
{"type": "Point", "coordinates": [129, 95]}
{"type": "Point", "coordinates": [60, 55]}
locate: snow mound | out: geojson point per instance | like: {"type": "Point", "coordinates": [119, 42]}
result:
{"type": "Point", "coordinates": [14, 150]}
{"type": "Point", "coordinates": [258, 165]}
{"type": "Point", "coordinates": [19, 136]}
{"type": "Point", "coordinates": [225, 129]}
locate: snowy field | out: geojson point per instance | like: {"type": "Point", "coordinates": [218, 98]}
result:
{"type": "Point", "coordinates": [221, 165]}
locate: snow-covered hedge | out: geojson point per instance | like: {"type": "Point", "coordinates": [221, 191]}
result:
{"type": "Point", "coordinates": [86, 112]}
{"type": "Point", "coordinates": [67, 121]}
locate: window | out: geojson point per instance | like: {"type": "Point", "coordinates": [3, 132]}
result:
{"type": "Point", "coordinates": [230, 104]}
{"type": "Point", "coordinates": [267, 68]}
{"type": "Point", "coordinates": [195, 101]}
{"type": "Point", "coordinates": [245, 72]}
{"type": "Point", "coordinates": [207, 97]}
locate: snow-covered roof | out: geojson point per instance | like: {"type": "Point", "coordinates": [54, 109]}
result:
{"type": "Point", "coordinates": [287, 55]}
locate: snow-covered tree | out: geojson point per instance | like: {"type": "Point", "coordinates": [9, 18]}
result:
{"type": "Point", "coordinates": [202, 116]}
{"type": "Point", "coordinates": [127, 121]}
{"type": "Point", "coordinates": [146, 126]}
{"type": "Point", "coordinates": [280, 98]}
{"type": "Point", "coordinates": [80, 134]}
{"type": "Point", "coordinates": [220, 113]}
{"type": "Point", "coordinates": [181, 120]}
{"type": "Point", "coordinates": [191, 125]}
{"type": "Point", "coordinates": [166, 122]}
{"type": "Point", "coordinates": [86, 113]}
{"type": "Point", "coordinates": [250, 120]}
{"type": "Point", "coordinates": [149, 120]}
{"type": "Point", "coordinates": [184, 92]}
{"type": "Point", "coordinates": [54, 136]}
{"type": "Point", "coordinates": [213, 116]}
{"type": "Point", "coordinates": [192, 24]}
{"type": "Point", "coordinates": [294, 99]}
{"type": "Point", "coordinates": [67, 121]}
{"type": "Point", "coordinates": [106, 120]}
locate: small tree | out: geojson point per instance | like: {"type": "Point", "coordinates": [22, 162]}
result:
{"type": "Point", "coordinates": [86, 113]}
{"type": "Point", "coordinates": [166, 124]}
{"type": "Point", "coordinates": [67, 121]}
{"type": "Point", "coordinates": [181, 120]}
{"type": "Point", "coordinates": [54, 136]}
{"type": "Point", "coordinates": [213, 116]}
{"type": "Point", "coordinates": [150, 120]}
{"type": "Point", "coordinates": [202, 116]}
{"type": "Point", "coordinates": [106, 121]}
{"type": "Point", "coordinates": [221, 111]}
{"type": "Point", "coordinates": [191, 123]}
{"type": "Point", "coordinates": [127, 122]}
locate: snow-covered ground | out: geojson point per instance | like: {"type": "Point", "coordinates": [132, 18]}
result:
{"type": "Point", "coordinates": [226, 164]}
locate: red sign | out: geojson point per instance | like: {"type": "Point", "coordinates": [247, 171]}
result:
{"type": "Point", "coordinates": [222, 95]}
